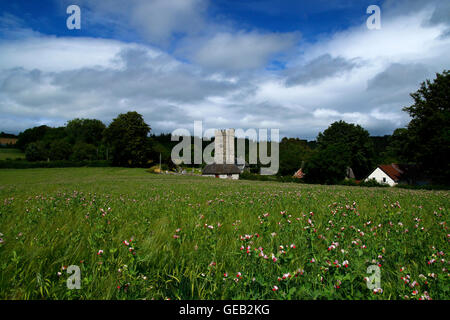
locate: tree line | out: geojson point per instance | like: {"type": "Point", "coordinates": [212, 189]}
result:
{"type": "Point", "coordinates": [128, 141]}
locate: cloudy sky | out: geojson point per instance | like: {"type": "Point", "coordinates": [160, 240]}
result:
{"type": "Point", "coordinates": [293, 65]}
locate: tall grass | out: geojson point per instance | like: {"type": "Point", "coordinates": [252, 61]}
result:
{"type": "Point", "coordinates": [176, 237]}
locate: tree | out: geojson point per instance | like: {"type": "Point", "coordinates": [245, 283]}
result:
{"type": "Point", "coordinates": [293, 152]}
{"type": "Point", "coordinates": [60, 150]}
{"type": "Point", "coordinates": [84, 151]}
{"type": "Point", "coordinates": [31, 135]}
{"type": "Point", "coordinates": [399, 148]}
{"type": "Point", "coordinates": [326, 166]}
{"type": "Point", "coordinates": [340, 146]}
{"type": "Point", "coordinates": [127, 135]}
{"type": "Point", "coordinates": [36, 151]}
{"type": "Point", "coordinates": [429, 128]}
{"type": "Point", "coordinates": [88, 131]}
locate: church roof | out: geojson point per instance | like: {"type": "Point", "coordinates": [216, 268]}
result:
{"type": "Point", "coordinates": [221, 169]}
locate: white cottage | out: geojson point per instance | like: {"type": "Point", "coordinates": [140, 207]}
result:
{"type": "Point", "coordinates": [387, 173]}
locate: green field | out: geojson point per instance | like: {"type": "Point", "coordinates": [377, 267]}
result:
{"type": "Point", "coordinates": [137, 235]}
{"type": "Point", "coordinates": [11, 154]}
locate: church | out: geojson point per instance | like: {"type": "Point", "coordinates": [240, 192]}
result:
{"type": "Point", "coordinates": [224, 165]}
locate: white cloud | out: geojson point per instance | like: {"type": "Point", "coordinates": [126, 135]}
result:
{"type": "Point", "coordinates": [56, 54]}
{"type": "Point", "coordinates": [239, 51]}
{"type": "Point", "coordinates": [357, 75]}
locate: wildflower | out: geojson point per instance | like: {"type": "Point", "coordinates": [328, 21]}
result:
{"type": "Point", "coordinates": [239, 275]}
{"type": "Point", "coordinates": [176, 236]}
{"type": "Point", "coordinates": [275, 288]}
{"type": "Point", "coordinates": [225, 275]}
{"type": "Point", "coordinates": [414, 292]}
{"type": "Point", "coordinates": [337, 285]}
{"type": "Point", "coordinates": [313, 260]}
{"type": "Point", "coordinates": [377, 290]}
{"type": "Point", "coordinates": [1, 241]}
{"type": "Point", "coordinates": [59, 274]}
{"type": "Point", "coordinates": [99, 252]}
{"type": "Point", "coordinates": [293, 246]}
{"type": "Point", "coordinates": [345, 264]}
{"type": "Point", "coordinates": [125, 242]}
{"type": "Point", "coordinates": [299, 271]}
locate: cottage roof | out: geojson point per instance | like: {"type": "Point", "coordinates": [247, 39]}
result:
{"type": "Point", "coordinates": [392, 170]}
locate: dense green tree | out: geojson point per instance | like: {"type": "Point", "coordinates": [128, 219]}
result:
{"type": "Point", "coordinates": [293, 153]}
{"type": "Point", "coordinates": [88, 131]}
{"type": "Point", "coordinates": [127, 135]}
{"type": "Point", "coordinates": [326, 165]}
{"type": "Point", "coordinates": [60, 150]}
{"type": "Point", "coordinates": [36, 151]}
{"type": "Point", "coordinates": [84, 151]}
{"type": "Point", "coordinates": [31, 135]}
{"type": "Point", "coordinates": [429, 128]}
{"type": "Point", "coordinates": [399, 148]}
{"type": "Point", "coordinates": [340, 146]}
{"type": "Point", "coordinates": [53, 134]}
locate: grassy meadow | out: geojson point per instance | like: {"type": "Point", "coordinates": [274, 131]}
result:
{"type": "Point", "coordinates": [136, 235]}
{"type": "Point", "coordinates": [11, 154]}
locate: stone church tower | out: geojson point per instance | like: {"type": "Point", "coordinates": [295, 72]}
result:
{"type": "Point", "coordinates": [224, 146]}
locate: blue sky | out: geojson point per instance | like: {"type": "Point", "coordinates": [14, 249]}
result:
{"type": "Point", "coordinates": [293, 65]}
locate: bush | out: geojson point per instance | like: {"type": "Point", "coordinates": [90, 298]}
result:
{"type": "Point", "coordinates": [349, 182]}
{"type": "Point", "coordinates": [258, 177]}
{"type": "Point", "coordinates": [372, 183]}
{"type": "Point", "coordinates": [423, 187]}
{"type": "Point", "coordinates": [248, 176]}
